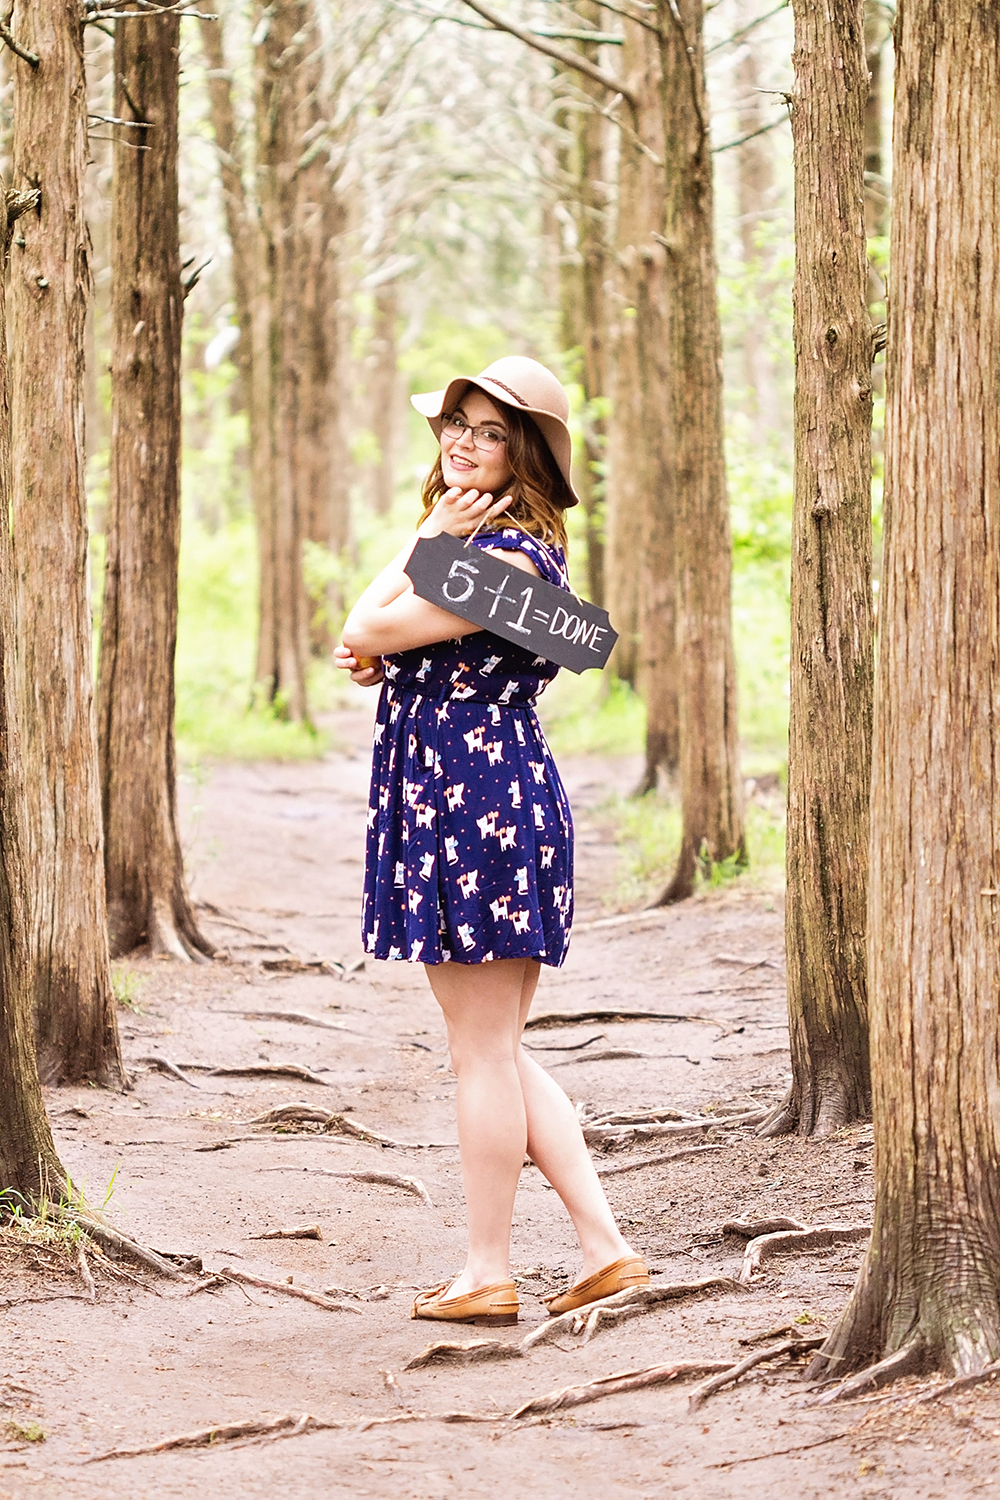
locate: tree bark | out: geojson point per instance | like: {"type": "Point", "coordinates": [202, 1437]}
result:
{"type": "Point", "coordinates": [50, 279]}
{"type": "Point", "coordinates": [711, 791]}
{"type": "Point", "coordinates": [28, 1161]}
{"type": "Point", "coordinates": [829, 752]}
{"type": "Point", "coordinates": [930, 1282]}
{"type": "Point", "coordinates": [144, 866]}
{"type": "Point", "coordinates": [234, 199]}
{"type": "Point", "coordinates": [385, 406]}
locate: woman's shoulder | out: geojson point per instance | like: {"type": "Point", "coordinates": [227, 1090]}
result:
{"type": "Point", "coordinates": [549, 559]}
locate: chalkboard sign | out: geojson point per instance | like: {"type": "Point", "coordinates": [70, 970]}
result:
{"type": "Point", "coordinates": [512, 604]}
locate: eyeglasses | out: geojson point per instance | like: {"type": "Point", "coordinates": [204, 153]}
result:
{"type": "Point", "coordinates": [487, 439]}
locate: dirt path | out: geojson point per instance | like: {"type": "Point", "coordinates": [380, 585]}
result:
{"type": "Point", "coordinates": [276, 852]}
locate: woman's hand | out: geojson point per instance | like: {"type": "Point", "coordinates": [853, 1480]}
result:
{"type": "Point", "coordinates": [366, 671]}
{"type": "Point", "coordinates": [459, 512]}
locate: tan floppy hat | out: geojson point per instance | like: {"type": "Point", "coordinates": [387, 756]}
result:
{"type": "Point", "coordinates": [526, 386]}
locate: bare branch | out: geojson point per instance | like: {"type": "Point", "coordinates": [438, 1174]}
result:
{"type": "Point", "coordinates": [730, 145]}
{"type": "Point", "coordinates": [744, 31]}
{"type": "Point", "coordinates": [572, 60]}
{"type": "Point", "coordinates": [9, 40]}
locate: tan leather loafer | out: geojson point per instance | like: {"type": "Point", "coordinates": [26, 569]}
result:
{"type": "Point", "coordinates": [628, 1272]}
{"type": "Point", "coordinates": [496, 1305]}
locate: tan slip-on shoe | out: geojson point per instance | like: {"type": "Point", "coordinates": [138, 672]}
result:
{"type": "Point", "coordinates": [496, 1305]}
{"type": "Point", "coordinates": [628, 1272]}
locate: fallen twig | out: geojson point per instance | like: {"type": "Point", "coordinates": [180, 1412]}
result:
{"type": "Point", "coordinates": [765, 1245]}
{"type": "Point", "coordinates": [655, 1161]}
{"type": "Point", "coordinates": [759, 1357]}
{"type": "Point", "coordinates": [477, 1352]}
{"type": "Point", "coordinates": [576, 1017]}
{"type": "Point", "coordinates": [287, 1289]}
{"type": "Point", "coordinates": [85, 1275]}
{"type": "Point", "coordinates": [611, 1385]}
{"type": "Point", "coordinates": [303, 1232]}
{"type": "Point", "coordinates": [287, 1426]}
{"type": "Point", "coordinates": [166, 1066]}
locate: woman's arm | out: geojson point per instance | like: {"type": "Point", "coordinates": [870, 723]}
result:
{"type": "Point", "coordinates": [389, 616]}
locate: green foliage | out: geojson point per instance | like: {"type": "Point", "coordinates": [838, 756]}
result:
{"type": "Point", "coordinates": [126, 985]}
{"type": "Point", "coordinates": [23, 1432]}
{"type": "Point", "coordinates": [594, 714]}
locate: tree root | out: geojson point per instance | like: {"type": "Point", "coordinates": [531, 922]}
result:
{"type": "Point", "coordinates": [576, 1017]}
{"type": "Point", "coordinates": [766, 1245]}
{"type": "Point", "coordinates": [564, 1046]}
{"type": "Point", "coordinates": [303, 1232]}
{"type": "Point", "coordinates": [906, 1361]}
{"type": "Point", "coordinates": [477, 1352]}
{"type": "Point", "coordinates": [611, 1385]}
{"type": "Point", "coordinates": [296, 1017]}
{"type": "Point", "coordinates": [388, 1179]}
{"type": "Point", "coordinates": [729, 1377]}
{"type": "Point", "coordinates": [751, 1229]}
{"type": "Point", "coordinates": [166, 1066]}
{"type": "Point", "coordinates": [85, 1273]}
{"type": "Point", "coordinates": [656, 1161]}
{"type": "Point", "coordinates": [340, 1124]}
{"type": "Point", "coordinates": [277, 1427]}
{"type": "Point", "coordinates": [293, 965]}
{"type": "Point", "coordinates": [287, 1289]}
{"type": "Point", "coordinates": [960, 1383]}
{"type": "Point", "coordinates": [259, 1070]}
{"type": "Point", "coordinates": [115, 1244]}
{"type": "Point", "coordinates": [585, 1322]}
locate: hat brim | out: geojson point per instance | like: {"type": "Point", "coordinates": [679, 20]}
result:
{"type": "Point", "coordinates": [432, 404]}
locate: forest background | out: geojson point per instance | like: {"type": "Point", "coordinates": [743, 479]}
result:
{"type": "Point", "coordinates": [448, 158]}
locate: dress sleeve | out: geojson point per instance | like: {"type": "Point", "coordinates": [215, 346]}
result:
{"type": "Point", "coordinates": [550, 561]}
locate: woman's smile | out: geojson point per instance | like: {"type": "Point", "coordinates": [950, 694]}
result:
{"type": "Point", "coordinates": [467, 466]}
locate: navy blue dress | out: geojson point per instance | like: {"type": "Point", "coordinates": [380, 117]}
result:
{"type": "Point", "coordinates": [470, 838]}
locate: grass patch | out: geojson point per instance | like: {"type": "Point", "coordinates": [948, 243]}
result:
{"type": "Point", "coordinates": [126, 986]}
{"type": "Point", "coordinates": [647, 831]}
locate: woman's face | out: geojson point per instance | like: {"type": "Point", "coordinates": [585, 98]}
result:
{"type": "Point", "coordinates": [462, 463]}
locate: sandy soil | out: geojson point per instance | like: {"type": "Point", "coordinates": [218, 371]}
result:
{"type": "Point", "coordinates": [276, 852]}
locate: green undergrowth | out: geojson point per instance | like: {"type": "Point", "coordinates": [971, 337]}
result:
{"type": "Point", "coordinates": [647, 831]}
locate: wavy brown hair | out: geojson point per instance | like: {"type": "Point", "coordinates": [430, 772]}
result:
{"type": "Point", "coordinates": [540, 492]}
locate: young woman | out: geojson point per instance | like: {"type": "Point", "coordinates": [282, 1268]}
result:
{"type": "Point", "coordinates": [470, 839]}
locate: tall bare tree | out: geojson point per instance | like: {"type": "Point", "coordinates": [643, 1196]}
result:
{"type": "Point", "coordinates": [829, 753]}
{"type": "Point", "coordinates": [711, 788]}
{"type": "Point", "coordinates": [28, 1161]}
{"type": "Point", "coordinates": [50, 281]}
{"type": "Point", "coordinates": [146, 893]}
{"type": "Point", "coordinates": [928, 1293]}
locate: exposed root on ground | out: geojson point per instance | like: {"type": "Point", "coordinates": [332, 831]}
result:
{"type": "Point", "coordinates": [582, 1323]}
{"type": "Point", "coordinates": [339, 1124]}
{"type": "Point", "coordinates": [960, 1383]}
{"type": "Point", "coordinates": [656, 1161]}
{"type": "Point", "coordinates": [166, 1066]}
{"type": "Point", "coordinates": [564, 1046]}
{"type": "Point", "coordinates": [751, 1229]}
{"type": "Point", "coordinates": [793, 1346]}
{"type": "Point", "coordinates": [576, 1017]}
{"type": "Point", "coordinates": [259, 1070]}
{"type": "Point", "coordinates": [302, 1232]}
{"type": "Point", "coordinates": [287, 1289]}
{"type": "Point", "coordinates": [293, 965]}
{"type": "Point", "coordinates": [85, 1273]}
{"type": "Point", "coordinates": [119, 1245]}
{"type": "Point", "coordinates": [296, 1017]}
{"type": "Point", "coordinates": [766, 1245]}
{"type": "Point", "coordinates": [611, 1385]}
{"type": "Point", "coordinates": [477, 1352]}
{"type": "Point", "coordinates": [205, 1437]}
{"type": "Point", "coordinates": [910, 1360]}
{"type": "Point", "coordinates": [388, 1179]}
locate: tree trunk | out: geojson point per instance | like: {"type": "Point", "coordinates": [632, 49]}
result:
{"type": "Point", "coordinates": [929, 1288]}
{"type": "Point", "coordinates": [711, 792]}
{"type": "Point", "coordinates": [50, 279]}
{"type": "Point", "coordinates": [829, 752]}
{"type": "Point", "coordinates": [144, 867]}
{"type": "Point", "coordinates": [227, 145]}
{"type": "Point", "coordinates": [28, 1161]}
{"type": "Point", "coordinates": [384, 404]}
{"type": "Point", "coordinates": [755, 197]}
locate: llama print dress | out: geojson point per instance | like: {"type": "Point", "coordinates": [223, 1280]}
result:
{"type": "Point", "coordinates": [470, 837]}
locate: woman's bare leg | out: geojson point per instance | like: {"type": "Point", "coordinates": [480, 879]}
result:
{"type": "Point", "coordinates": [557, 1147]}
{"type": "Point", "coordinates": [482, 1009]}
